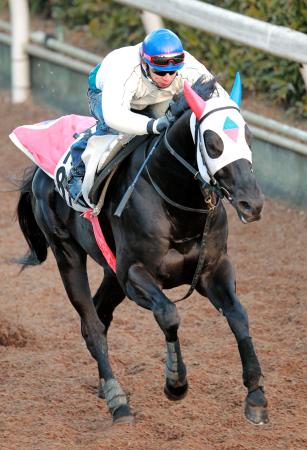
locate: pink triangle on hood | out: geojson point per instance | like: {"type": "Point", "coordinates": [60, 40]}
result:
{"type": "Point", "coordinates": [232, 133]}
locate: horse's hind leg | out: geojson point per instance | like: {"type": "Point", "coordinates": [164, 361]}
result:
{"type": "Point", "coordinates": [108, 296]}
{"type": "Point", "coordinates": [71, 260]}
{"type": "Point", "coordinates": [143, 289]}
{"type": "Point", "coordinates": [219, 287]}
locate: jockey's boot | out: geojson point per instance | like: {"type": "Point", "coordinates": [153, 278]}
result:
{"type": "Point", "coordinates": [74, 181]}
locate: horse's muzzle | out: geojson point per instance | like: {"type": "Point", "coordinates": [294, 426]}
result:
{"type": "Point", "coordinates": [249, 210]}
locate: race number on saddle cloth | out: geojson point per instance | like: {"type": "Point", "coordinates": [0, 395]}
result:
{"type": "Point", "coordinates": [48, 145]}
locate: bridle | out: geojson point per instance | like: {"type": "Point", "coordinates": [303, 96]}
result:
{"type": "Point", "coordinates": [214, 187]}
{"type": "Point", "coordinates": [208, 189]}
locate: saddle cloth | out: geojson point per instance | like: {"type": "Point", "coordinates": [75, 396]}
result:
{"type": "Point", "coordinates": [100, 150]}
{"type": "Point", "coordinates": [48, 145]}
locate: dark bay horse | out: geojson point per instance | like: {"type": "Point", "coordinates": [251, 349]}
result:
{"type": "Point", "coordinates": [174, 222]}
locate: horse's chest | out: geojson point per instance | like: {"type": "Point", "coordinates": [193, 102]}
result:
{"type": "Point", "coordinates": [178, 261]}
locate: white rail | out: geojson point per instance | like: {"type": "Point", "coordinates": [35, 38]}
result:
{"type": "Point", "coordinates": [151, 21]}
{"type": "Point", "coordinates": [59, 59]}
{"type": "Point", "coordinates": [19, 58]}
{"type": "Point", "coordinates": [45, 40]}
{"type": "Point", "coordinates": [279, 41]}
{"type": "Point", "coordinates": [274, 125]}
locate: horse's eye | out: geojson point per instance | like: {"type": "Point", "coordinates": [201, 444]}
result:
{"type": "Point", "coordinates": [248, 136]}
{"type": "Point", "coordinates": [214, 144]}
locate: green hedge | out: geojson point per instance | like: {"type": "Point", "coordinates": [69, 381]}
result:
{"type": "Point", "coordinates": [279, 79]}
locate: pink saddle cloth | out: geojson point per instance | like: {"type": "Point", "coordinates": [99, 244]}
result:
{"type": "Point", "coordinates": [46, 142]}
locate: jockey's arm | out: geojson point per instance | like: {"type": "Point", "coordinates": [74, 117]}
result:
{"type": "Point", "coordinates": [117, 93]}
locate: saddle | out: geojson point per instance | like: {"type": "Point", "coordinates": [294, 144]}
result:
{"type": "Point", "coordinates": [98, 155]}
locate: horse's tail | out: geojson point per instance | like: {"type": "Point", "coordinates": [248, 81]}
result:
{"type": "Point", "coordinates": [35, 238]}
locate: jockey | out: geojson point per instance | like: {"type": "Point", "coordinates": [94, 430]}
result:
{"type": "Point", "coordinates": [129, 80]}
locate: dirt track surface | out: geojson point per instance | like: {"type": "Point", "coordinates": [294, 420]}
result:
{"type": "Point", "coordinates": [48, 379]}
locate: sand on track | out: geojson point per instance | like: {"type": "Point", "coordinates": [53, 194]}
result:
{"type": "Point", "coordinates": [48, 379]}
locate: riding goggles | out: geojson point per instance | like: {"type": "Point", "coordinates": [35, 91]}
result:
{"type": "Point", "coordinates": [162, 73]}
{"type": "Point", "coordinates": [165, 60]}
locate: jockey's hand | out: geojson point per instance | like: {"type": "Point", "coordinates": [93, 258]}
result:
{"type": "Point", "coordinates": [156, 126]}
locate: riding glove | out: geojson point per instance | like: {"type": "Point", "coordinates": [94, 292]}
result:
{"type": "Point", "coordinates": [156, 126]}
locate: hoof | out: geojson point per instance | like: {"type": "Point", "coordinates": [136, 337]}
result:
{"type": "Point", "coordinates": [122, 416]}
{"type": "Point", "coordinates": [256, 414]}
{"type": "Point", "coordinates": [124, 420]}
{"type": "Point", "coordinates": [255, 408]}
{"type": "Point", "coordinates": [177, 393]}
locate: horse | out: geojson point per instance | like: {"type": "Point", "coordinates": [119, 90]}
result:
{"type": "Point", "coordinates": [172, 231]}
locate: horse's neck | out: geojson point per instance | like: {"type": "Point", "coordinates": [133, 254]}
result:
{"type": "Point", "coordinates": [180, 138]}
{"type": "Point", "coordinates": [171, 176]}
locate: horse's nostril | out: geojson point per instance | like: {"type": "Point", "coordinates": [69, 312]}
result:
{"type": "Point", "coordinates": [245, 206]}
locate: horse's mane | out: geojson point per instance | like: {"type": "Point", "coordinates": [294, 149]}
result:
{"type": "Point", "coordinates": [204, 89]}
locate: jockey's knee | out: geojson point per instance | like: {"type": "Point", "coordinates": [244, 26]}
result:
{"type": "Point", "coordinates": [77, 149]}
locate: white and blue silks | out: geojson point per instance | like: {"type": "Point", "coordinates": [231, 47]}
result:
{"type": "Point", "coordinates": [118, 89]}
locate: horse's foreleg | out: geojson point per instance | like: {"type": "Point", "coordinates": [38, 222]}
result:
{"type": "Point", "coordinates": [219, 287]}
{"type": "Point", "coordinates": [71, 260]}
{"type": "Point", "coordinates": [143, 289]}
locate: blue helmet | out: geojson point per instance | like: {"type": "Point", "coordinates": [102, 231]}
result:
{"type": "Point", "coordinates": [162, 50]}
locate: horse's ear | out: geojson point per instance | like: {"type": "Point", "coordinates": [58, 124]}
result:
{"type": "Point", "coordinates": [196, 103]}
{"type": "Point", "coordinates": [236, 91]}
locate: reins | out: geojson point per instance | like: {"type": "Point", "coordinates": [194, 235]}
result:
{"type": "Point", "coordinates": [130, 189]}
{"type": "Point", "coordinates": [209, 200]}
{"type": "Point", "coordinates": [172, 202]}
